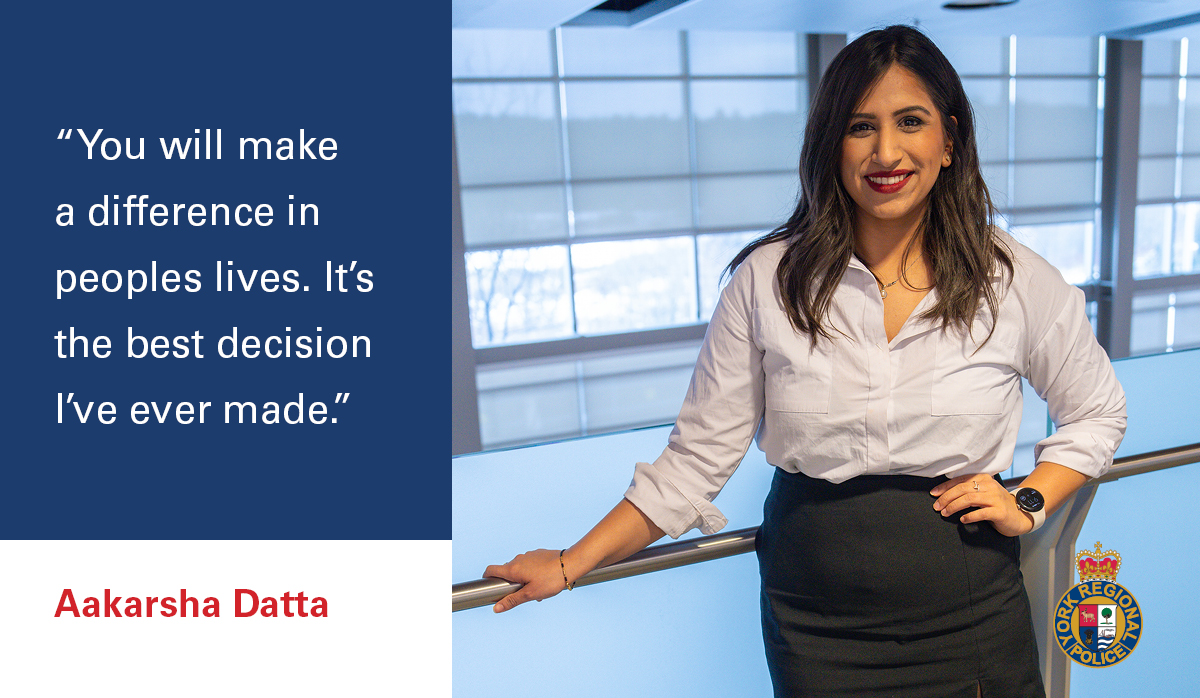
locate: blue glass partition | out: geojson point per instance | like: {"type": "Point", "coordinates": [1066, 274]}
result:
{"type": "Point", "coordinates": [694, 630]}
{"type": "Point", "coordinates": [688, 631]}
{"type": "Point", "coordinates": [1150, 519]}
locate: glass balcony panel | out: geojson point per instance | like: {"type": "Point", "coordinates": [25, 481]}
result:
{"type": "Point", "coordinates": [1158, 548]}
{"type": "Point", "coordinates": [1158, 552]}
{"type": "Point", "coordinates": [1161, 402]}
{"type": "Point", "coordinates": [634, 637]}
{"type": "Point", "coordinates": [637, 632]}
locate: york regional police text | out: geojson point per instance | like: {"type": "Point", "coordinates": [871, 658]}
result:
{"type": "Point", "coordinates": [229, 279]}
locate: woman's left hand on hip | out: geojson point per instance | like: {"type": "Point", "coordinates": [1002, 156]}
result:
{"type": "Point", "coordinates": [989, 499]}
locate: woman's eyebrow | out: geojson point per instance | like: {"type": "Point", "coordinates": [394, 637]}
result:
{"type": "Point", "coordinates": [898, 112]}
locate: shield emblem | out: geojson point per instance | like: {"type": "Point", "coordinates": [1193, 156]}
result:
{"type": "Point", "coordinates": [1088, 614]}
{"type": "Point", "coordinates": [1089, 634]}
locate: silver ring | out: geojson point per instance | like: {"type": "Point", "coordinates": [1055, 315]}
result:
{"type": "Point", "coordinates": [976, 483]}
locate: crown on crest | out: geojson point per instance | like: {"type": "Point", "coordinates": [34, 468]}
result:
{"type": "Point", "coordinates": [1095, 565]}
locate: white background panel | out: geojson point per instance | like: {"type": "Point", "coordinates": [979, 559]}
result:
{"type": "Point", "coordinates": [376, 640]}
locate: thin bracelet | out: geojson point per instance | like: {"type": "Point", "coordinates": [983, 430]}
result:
{"type": "Point", "coordinates": [570, 586]}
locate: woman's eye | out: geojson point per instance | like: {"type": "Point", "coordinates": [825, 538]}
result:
{"type": "Point", "coordinates": [860, 128]}
{"type": "Point", "coordinates": [910, 122]}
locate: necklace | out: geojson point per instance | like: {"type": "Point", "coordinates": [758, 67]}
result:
{"type": "Point", "coordinates": [884, 287]}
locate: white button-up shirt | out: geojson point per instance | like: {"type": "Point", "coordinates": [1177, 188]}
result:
{"type": "Point", "coordinates": [930, 402]}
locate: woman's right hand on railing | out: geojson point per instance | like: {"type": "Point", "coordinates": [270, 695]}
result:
{"type": "Point", "coordinates": [539, 570]}
{"type": "Point", "coordinates": [621, 533]}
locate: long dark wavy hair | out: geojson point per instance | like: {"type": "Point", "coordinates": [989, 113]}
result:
{"type": "Point", "coordinates": [957, 236]}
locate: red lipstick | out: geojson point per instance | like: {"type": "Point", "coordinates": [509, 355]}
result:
{"type": "Point", "coordinates": [888, 182]}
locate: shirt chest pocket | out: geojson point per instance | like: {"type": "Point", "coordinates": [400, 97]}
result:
{"type": "Point", "coordinates": [798, 375]}
{"type": "Point", "coordinates": [969, 380]}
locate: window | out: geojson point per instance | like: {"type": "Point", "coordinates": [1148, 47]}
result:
{"type": "Point", "coordinates": [602, 169]}
{"type": "Point", "coordinates": [607, 177]}
{"type": "Point", "coordinates": [1166, 237]}
{"type": "Point", "coordinates": [1037, 103]}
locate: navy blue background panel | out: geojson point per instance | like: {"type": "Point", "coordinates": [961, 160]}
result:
{"type": "Point", "coordinates": [371, 78]}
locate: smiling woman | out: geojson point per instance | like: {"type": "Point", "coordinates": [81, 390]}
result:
{"type": "Point", "coordinates": [896, 143]}
{"type": "Point", "coordinates": [874, 345]}
{"type": "Point", "coordinates": [905, 113]}
{"type": "Point", "coordinates": [896, 147]}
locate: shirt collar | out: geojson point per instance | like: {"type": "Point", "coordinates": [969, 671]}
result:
{"type": "Point", "coordinates": [856, 263]}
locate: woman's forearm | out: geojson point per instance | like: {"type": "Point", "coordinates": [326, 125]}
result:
{"type": "Point", "coordinates": [621, 533]}
{"type": "Point", "coordinates": [1057, 483]}
{"type": "Point", "coordinates": [544, 573]}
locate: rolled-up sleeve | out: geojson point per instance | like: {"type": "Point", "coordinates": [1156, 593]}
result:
{"type": "Point", "coordinates": [1070, 370]}
{"type": "Point", "coordinates": [717, 423]}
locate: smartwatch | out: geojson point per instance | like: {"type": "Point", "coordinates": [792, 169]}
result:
{"type": "Point", "coordinates": [1032, 502]}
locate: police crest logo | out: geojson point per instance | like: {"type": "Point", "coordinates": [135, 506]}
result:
{"type": "Point", "coordinates": [1098, 621]}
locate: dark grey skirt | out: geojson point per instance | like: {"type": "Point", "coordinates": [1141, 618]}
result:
{"type": "Point", "coordinates": [867, 591]}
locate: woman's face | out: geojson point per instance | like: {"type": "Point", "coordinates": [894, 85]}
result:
{"type": "Point", "coordinates": [893, 149]}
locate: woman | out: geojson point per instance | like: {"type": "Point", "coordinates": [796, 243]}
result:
{"type": "Point", "coordinates": [875, 343]}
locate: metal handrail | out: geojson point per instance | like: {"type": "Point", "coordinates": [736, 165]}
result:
{"type": "Point", "coordinates": [487, 591]}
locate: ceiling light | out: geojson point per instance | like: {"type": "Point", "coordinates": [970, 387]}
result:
{"type": "Point", "coordinates": [976, 4]}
